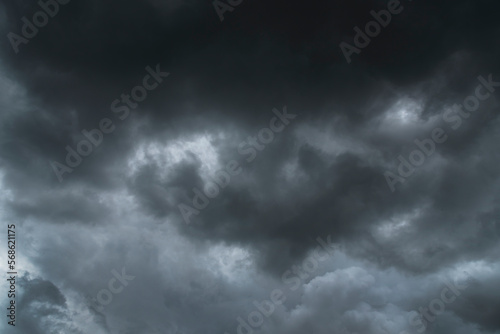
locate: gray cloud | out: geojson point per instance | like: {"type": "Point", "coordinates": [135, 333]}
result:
{"type": "Point", "coordinates": [323, 175]}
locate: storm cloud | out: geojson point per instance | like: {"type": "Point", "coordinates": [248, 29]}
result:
{"type": "Point", "coordinates": [113, 114]}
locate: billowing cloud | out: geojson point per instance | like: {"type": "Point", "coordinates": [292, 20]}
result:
{"type": "Point", "coordinates": [147, 202]}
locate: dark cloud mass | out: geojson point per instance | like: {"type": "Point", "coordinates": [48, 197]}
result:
{"type": "Point", "coordinates": [389, 153]}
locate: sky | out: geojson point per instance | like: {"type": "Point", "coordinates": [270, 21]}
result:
{"type": "Point", "coordinates": [240, 167]}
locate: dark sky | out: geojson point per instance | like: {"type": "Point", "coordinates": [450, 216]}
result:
{"type": "Point", "coordinates": [391, 156]}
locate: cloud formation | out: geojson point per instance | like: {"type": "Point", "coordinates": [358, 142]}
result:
{"type": "Point", "coordinates": [324, 175]}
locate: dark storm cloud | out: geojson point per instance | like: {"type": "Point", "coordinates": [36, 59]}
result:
{"type": "Point", "coordinates": [80, 84]}
{"type": "Point", "coordinates": [323, 175]}
{"type": "Point", "coordinates": [41, 298]}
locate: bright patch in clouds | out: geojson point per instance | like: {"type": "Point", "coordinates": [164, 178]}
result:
{"type": "Point", "coordinates": [167, 155]}
{"type": "Point", "coordinates": [232, 262]}
{"type": "Point", "coordinates": [404, 112]}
